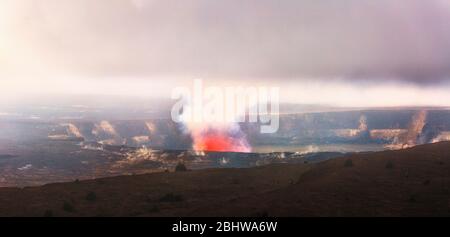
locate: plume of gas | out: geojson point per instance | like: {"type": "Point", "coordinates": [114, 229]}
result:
{"type": "Point", "coordinates": [107, 134]}
{"type": "Point", "coordinates": [216, 136]}
{"type": "Point", "coordinates": [415, 128]}
{"type": "Point", "coordinates": [443, 136]}
{"type": "Point", "coordinates": [73, 130]}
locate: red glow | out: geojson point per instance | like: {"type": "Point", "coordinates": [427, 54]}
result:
{"type": "Point", "coordinates": [219, 142]}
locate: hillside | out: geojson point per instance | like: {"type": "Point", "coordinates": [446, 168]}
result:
{"type": "Point", "coordinates": [410, 182]}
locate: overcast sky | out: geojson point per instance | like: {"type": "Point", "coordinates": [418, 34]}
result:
{"type": "Point", "coordinates": [120, 44]}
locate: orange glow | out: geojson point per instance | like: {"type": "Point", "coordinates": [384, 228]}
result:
{"type": "Point", "coordinates": [219, 142]}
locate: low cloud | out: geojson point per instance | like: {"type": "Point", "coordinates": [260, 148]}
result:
{"type": "Point", "coordinates": [288, 40]}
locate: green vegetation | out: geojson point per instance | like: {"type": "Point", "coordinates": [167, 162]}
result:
{"type": "Point", "coordinates": [412, 198]}
{"type": "Point", "coordinates": [48, 213]}
{"type": "Point", "coordinates": [68, 207]}
{"type": "Point", "coordinates": [262, 214]}
{"type": "Point", "coordinates": [170, 197]}
{"type": "Point", "coordinates": [181, 167]}
{"type": "Point", "coordinates": [153, 209]}
{"type": "Point", "coordinates": [389, 165]}
{"type": "Point", "coordinates": [348, 163]}
{"type": "Point", "coordinates": [91, 196]}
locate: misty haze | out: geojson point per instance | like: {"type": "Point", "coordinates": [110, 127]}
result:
{"type": "Point", "coordinates": [361, 112]}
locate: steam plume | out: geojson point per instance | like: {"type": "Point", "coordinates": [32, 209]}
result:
{"type": "Point", "coordinates": [411, 137]}
{"type": "Point", "coordinates": [73, 130]}
{"type": "Point", "coordinates": [226, 137]}
{"type": "Point", "coordinates": [105, 130]}
{"type": "Point", "coordinates": [415, 128]}
{"type": "Point", "coordinates": [223, 139]}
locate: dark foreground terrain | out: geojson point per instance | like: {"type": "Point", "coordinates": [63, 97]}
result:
{"type": "Point", "coordinates": [411, 182]}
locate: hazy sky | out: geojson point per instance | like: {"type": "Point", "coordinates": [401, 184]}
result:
{"type": "Point", "coordinates": [347, 52]}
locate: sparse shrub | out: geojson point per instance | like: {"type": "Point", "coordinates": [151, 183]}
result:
{"type": "Point", "coordinates": [262, 214]}
{"type": "Point", "coordinates": [407, 173]}
{"type": "Point", "coordinates": [348, 163]}
{"type": "Point", "coordinates": [68, 207]}
{"type": "Point", "coordinates": [48, 213]}
{"type": "Point", "coordinates": [389, 165]}
{"type": "Point", "coordinates": [235, 181]}
{"type": "Point", "coordinates": [153, 209]}
{"type": "Point", "coordinates": [148, 199]}
{"type": "Point", "coordinates": [91, 196]}
{"type": "Point", "coordinates": [181, 167]}
{"type": "Point", "coordinates": [412, 198]}
{"type": "Point", "coordinates": [170, 197]}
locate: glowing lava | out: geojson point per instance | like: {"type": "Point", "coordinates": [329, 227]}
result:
{"type": "Point", "coordinates": [218, 141]}
{"type": "Point", "coordinates": [221, 140]}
